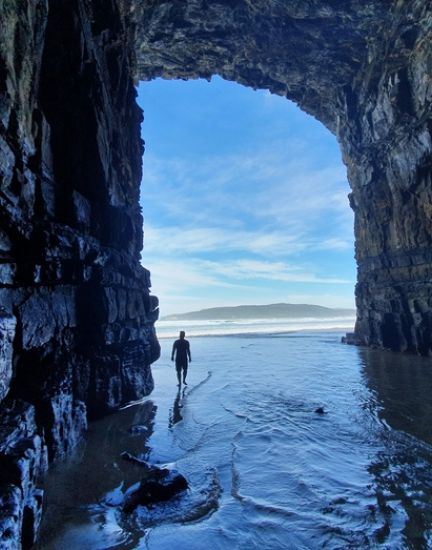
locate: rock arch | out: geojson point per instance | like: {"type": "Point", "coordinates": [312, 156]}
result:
{"type": "Point", "coordinates": [76, 325]}
{"type": "Point", "coordinates": [363, 70]}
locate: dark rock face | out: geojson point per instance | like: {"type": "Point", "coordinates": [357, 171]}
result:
{"type": "Point", "coordinates": [77, 320]}
{"type": "Point", "coordinates": [364, 70]}
{"type": "Point", "coordinates": [76, 324]}
{"type": "Point", "coordinates": [7, 333]}
{"type": "Point", "coordinates": [23, 459]}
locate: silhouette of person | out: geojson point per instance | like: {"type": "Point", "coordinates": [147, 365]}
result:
{"type": "Point", "coordinates": [181, 351]}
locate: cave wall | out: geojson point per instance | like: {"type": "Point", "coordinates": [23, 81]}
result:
{"type": "Point", "coordinates": [388, 151]}
{"type": "Point", "coordinates": [364, 69]}
{"type": "Point", "coordinates": [77, 319]}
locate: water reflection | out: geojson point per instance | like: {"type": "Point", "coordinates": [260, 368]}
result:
{"type": "Point", "coordinates": [401, 387]}
{"type": "Point", "coordinates": [271, 472]}
{"type": "Point", "coordinates": [175, 414]}
{"type": "Point", "coordinates": [95, 468]}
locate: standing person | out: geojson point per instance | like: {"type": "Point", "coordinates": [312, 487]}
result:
{"type": "Point", "coordinates": [181, 350]}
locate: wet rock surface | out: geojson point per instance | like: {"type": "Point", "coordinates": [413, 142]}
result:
{"type": "Point", "coordinates": [7, 333]}
{"type": "Point", "coordinates": [77, 320]}
{"type": "Point", "coordinates": [23, 461]}
{"type": "Point", "coordinates": [157, 485]}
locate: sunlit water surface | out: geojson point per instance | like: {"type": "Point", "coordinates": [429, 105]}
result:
{"type": "Point", "coordinates": [265, 470]}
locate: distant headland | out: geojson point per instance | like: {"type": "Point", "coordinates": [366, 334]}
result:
{"type": "Point", "coordinates": [270, 311]}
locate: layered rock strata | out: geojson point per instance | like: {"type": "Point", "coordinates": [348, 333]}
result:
{"type": "Point", "coordinates": [76, 324]}
{"type": "Point", "coordinates": [364, 70]}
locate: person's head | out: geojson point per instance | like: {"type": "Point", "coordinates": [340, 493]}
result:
{"type": "Point", "coordinates": [182, 334]}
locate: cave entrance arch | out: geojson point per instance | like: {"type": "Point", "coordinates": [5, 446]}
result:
{"type": "Point", "coordinates": [244, 199]}
{"type": "Point", "coordinates": [370, 88]}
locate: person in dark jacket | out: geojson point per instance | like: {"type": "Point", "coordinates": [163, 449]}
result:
{"type": "Point", "coordinates": [181, 352]}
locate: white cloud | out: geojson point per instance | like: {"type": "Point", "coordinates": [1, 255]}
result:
{"type": "Point", "coordinates": [336, 244]}
{"type": "Point", "coordinates": [271, 271]}
{"type": "Point", "coordinates": [174, 241]}
{"type": "Point", "coordinates": [177, 275]}
{"type": "Point", "coordinates": [171, 240]}
{"type": "Point", "coordinates": [272, 188]}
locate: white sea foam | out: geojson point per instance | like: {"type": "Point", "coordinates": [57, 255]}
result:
{"type": "Point", "coordinates": [170, 329]}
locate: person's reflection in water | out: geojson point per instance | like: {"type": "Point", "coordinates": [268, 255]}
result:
{"type": "Point", "coordinates": [175, 413]}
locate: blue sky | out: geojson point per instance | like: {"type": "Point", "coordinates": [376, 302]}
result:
{"type": "Point", "coordinates": [244, 199]}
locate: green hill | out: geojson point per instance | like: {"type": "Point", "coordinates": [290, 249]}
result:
{"type": "Point", "coordinates": [271, 311]}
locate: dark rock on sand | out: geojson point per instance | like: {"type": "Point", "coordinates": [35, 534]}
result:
{"type": "Point", "coordinates": [159, 485]}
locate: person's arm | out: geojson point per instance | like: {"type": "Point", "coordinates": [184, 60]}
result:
{"type": "Point", "coordinates": [173, 350]}
{"type": "Point", "coordinates": [188, 352]}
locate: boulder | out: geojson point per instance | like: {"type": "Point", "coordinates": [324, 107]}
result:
{"type": "Point", "coordinates": [159, 485]}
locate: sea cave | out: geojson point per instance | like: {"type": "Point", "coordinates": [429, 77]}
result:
{"type": "Point", "coordinates": [77, 317]}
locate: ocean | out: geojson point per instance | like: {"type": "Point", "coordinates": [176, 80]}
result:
{"type": "Point", "coordinates": [266, 471]}
{"type": "Point", "coordinates": [170, 329]}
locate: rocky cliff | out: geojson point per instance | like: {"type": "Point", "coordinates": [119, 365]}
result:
{"type": "Point", "coordinates": [76, 325]}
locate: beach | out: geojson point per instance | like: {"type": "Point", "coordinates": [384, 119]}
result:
{"type": "Point", "coordinates": [265, 469]}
